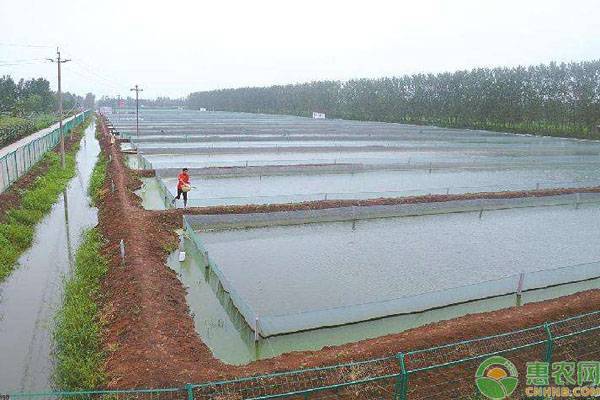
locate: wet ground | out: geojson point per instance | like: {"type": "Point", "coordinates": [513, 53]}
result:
{"type": "Point", "coordinates": [30, 296]}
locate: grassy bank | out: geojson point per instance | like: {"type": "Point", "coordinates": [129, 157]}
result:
{"type": "Point", "coordinates": [18, 227]}
{"type": "Point", "coordinates": [97, 179]}
{"type": "Point", "coordinates": [77, 334]}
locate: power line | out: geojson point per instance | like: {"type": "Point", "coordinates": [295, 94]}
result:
{"type": "Point", "coordinates": [25, 45]}
{"type": "Point", "coordinates": [98, 77]}
{"type": "Point", "coordinates": [19, 63]}
{"type": "Point", "coordinates": [89, 68]}
{"type": "Point", "coordinates": [23, 60]}
{"type": "Point", "coordinates": [89, 76]}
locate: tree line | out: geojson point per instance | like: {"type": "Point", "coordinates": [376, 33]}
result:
{"type": "Point", "coordinates": [555, 99]}
{"type": "Point", "coordinates": [129, 102]}
{"type": "Point", "coordinates": [34, 96]}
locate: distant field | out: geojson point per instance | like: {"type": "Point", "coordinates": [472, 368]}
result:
{"type": "Point", "coordinates": [14, 128]}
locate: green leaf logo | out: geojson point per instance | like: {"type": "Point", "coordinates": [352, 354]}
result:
{"type": "Point", "coordinates": [497, 378]}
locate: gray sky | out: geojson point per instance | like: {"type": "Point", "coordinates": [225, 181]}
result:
{"type": "Point", "coordinates": [172, 48]}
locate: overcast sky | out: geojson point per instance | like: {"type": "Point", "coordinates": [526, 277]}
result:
{"type": "Point", "coordinates": [172, 48]}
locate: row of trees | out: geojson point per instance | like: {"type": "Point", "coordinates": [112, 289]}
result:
{"type": "Point", "coordinates": [129, 102]}
{"type": "Point", "coordinates": [561, 99]}
{"type": "Point", "coordinates": [34, 96]}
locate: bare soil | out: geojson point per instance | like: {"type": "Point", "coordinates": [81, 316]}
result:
{"type": "Point", "coordinates": [150, 337]}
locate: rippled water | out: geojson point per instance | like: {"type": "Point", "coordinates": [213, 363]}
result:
{"type": "Point", "coordinates": [32, 293]}
{"type": "Point", "coordinates": [294, 188]}
{"type": "Point", "coordinates": [290, 269]}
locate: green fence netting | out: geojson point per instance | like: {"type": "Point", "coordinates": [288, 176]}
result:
{"type": "Point", "coordinates": [444, 372]}
{"type": "Point", "coordinates": [16, 163]}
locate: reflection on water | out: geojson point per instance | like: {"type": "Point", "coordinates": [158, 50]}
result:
{"type": "Point", "coordinates": [32, 293]}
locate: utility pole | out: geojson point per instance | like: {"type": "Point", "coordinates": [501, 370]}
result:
{"type": "Point", "coordinates": [58, 62]}
{"type": "Point", "coordinates": [137, 91]}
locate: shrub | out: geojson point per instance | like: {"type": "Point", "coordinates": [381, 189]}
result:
{"type": "Point", "coordinates": [12, 129]}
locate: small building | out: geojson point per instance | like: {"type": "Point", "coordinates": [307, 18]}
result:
{"type": "Point", "coordinates": [105, 110]}
{"type": "Point", "coordinates": [317, 115]}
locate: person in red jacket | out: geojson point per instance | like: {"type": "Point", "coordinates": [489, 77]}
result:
{"type": "Point", "coordinates": [183, 179]}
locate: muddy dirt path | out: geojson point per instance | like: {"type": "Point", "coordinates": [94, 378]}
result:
{"type": "Point", "coordinates": [32, 293]}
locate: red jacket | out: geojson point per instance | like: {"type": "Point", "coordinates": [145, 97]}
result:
{"type": "Point", "coordinates": [183, 179]}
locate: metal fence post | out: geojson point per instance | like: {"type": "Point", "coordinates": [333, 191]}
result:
{"type": "Point", "coordinates": [190, 391]}
{"type": "Point", "coordinates": [16, 165]}
{"type": "Point", "coordinates": [549, 343]}
{"type": "Point", "coordinates": [401, 388]}
{"type": "Point", "coordinates": [520, 288]}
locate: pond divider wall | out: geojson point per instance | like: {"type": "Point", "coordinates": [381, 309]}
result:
{"type": "Point", "coordinates": [165, 193]}
{"type": "Point", "coordinates": [329, 167]}
{"type": "Point", "coordinates": [273, 325]}
{"type": "Point", "coordinates": [270, 171]}
{"type": "Point", "coordinates": [243, 307]}
{"type": "Point", "coordinates": [339, 214]}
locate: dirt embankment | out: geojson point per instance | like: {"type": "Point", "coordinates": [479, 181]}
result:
{"type": "Point", "coordinates": [150, 336]}
{"type": "Point", "coordinates": [11, 198]}
{"type": "Point", "coordinates": [172, 214]}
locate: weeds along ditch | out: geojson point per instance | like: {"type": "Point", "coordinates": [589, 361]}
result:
{"type": "Point", "coordinates": [18, 224]}
{"type": "Point", "coordinates": [79, 357]}
{"type": "Point", "coordinates": [77, 334]}
{"type": "Point", "coordinates": [97, 180]}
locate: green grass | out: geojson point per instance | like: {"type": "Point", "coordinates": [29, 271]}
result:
{"type": "Point", "coordinates": [77, 333]}
{"type": "Point", "coordinates": [17, 230]}
{"type": "Point", "coordinates": [97, 180]}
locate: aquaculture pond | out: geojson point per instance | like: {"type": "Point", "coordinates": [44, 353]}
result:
{"type": "Point", "coordinates": [272, 189]}
{"type": "Point", "coordinates": [328, 277]}
{"type": "Point", "coordinates": [304, 276]}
